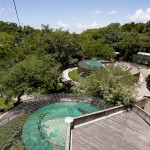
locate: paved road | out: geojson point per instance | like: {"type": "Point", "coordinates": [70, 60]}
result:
{"type": "Point", "coordinates": [142, 90]}
{"type": "Point", "coordinates": [66, 76]}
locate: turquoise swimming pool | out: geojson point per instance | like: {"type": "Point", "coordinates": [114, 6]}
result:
{"type": "Point", "coordinates": [93, 63]}
{"type": "Point", "coordinates": [46, 128]}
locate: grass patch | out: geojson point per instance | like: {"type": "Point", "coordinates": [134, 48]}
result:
{"type": "Point", "coordinates": [8, 105]}
{"type": "Point", "coordinates": [74, 75]}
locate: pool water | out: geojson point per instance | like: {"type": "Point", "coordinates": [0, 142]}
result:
{"type": "Point", "coordinates": [93, 63]}
{"type": "Point", "coordinates": [46, 128]}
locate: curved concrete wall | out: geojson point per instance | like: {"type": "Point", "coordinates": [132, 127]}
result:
{"type": "Point", "coordinates": [134, 70]}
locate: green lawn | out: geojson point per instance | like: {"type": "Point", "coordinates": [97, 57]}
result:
{"type": "Point", "coordinates": [74, 75]}
{"type": "Point", "coordinates": [6, 106]}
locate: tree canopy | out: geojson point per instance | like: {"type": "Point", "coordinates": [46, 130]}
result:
{"type": "Point", "coordinates": [25, 49]}
{"type": "Point", "coordinates": [31, 75]}
{"type": "Point", "coordinates": [111, 84]}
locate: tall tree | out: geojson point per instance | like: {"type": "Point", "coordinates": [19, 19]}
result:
{"type": "Point", "coordinates": [97, 49]}
{"type": "Point", "coordinates": [39, 75]}
{"type": "Point", "coordinates": [63, 46]}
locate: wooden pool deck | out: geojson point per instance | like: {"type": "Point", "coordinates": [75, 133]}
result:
{"type": "Point", "coordinates": [124, 131]}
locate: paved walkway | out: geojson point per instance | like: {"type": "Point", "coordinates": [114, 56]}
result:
{"type": "Point", "coordinates": [66, 72]}
{"type": "Point", "coordinates": [25, 97]}
{"type": "Point", "coordinates": [141, 89]}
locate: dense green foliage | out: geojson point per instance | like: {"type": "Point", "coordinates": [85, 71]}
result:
{"type": "Point", "coordinates": [31, 59]}
{"type": "Point", "coordinates": [111, 84]}
{"type": "Point", "coordinates": [31, 75]}
{"type": "Point", "coordinates": [128, 39]}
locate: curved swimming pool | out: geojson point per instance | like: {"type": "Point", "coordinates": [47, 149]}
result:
{"type": "Point", "coordinates": [46, 128]}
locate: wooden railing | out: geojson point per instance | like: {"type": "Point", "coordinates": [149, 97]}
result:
{"type": "Point", "coordinates": [89, 117]}
{"type": "Point", "coordinates": [143, 114]}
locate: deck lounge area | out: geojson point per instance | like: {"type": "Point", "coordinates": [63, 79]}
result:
{"type": "Point", "coordinates": [114, 128]}
{"type": "Point", "coordinates": [126, 130]}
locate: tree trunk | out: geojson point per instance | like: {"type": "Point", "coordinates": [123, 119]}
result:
{"type": "Point", "coordinates": [19, 98]}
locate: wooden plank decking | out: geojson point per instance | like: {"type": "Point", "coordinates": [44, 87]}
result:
{"type": "Point", "coordinates": [125, 131]}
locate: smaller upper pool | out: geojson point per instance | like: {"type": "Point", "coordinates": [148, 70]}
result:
{"type": "Point", "coordinates": [93, 63]}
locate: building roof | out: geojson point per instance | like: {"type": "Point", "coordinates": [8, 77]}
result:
{"type": "Point", "coordinates": [126, 130]}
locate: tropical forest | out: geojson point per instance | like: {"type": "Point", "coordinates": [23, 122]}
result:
{"type": "Point", "coordinates": [32, 60]}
